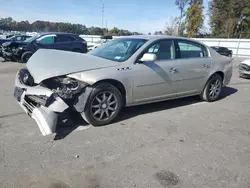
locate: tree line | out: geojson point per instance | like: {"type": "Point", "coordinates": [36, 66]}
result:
{"type": "Point", "coordinates": [227, 19]}
{"type": "Point", "coordinates": [9, 24]}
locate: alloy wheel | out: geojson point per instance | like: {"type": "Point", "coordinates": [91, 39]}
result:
{"type": "Point", "coordinates": [214, 89]}
{"type": "Point", "coordinates": [104, 105]}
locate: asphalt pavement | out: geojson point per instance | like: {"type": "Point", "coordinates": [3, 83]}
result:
{"type": "Point", "coordinates": [175, 144]}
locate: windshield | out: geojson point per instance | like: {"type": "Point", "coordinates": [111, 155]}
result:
{"type": "Point", "coordinates": [119, 49]}
{"type": "Point", "coordinates": [12, 38]}
{"type": "Point", "coordinates": [31, 38]}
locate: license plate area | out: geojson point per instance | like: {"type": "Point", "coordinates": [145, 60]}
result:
{"type": "Point", "coordinates": [18, 93]}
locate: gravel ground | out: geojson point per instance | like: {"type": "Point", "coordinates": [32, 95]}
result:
{"type": "Point", "coordinates": [176, 144]}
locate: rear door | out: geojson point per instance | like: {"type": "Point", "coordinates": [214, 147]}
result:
{"type": "Point", "coordinates": [194, 68]}
{"type": "Point", "coordinates": [65, 42]}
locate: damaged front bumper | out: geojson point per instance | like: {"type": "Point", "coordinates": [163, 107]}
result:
{"type": "Point", "coordinates": [41, 104]}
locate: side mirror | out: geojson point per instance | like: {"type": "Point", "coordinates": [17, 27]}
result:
{"type": "Point", "coordinates": [148, 57]}
{"type": "Point", "coordinates": [38, 41]}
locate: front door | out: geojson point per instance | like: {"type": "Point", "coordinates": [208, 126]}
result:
{"type": "Point", "coordinates": [194, 66]}
{"type": "Point", "coordinates": [156, 80]}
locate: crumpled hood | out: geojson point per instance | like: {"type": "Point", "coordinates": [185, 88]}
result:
{"type": "Point", "coordinates": [10, 43]}
{"type": "Point", "coordinates": [45, 63]}
{"type": "Point", "coordinates": [247, 62]}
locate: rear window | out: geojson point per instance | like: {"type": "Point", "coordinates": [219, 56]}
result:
{"type": "Point", "coordinates": [189, 49]}
{"type": "Point", "coordinates": [64, 38]}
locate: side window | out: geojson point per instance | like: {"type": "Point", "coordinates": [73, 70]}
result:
{"type": "Point", "coordinates": [189, 49]}
{"type": "Point", "coordinates": [204, 51]}
{"type": "Point", "coordinates": [47, 40]}
{"type": "Point", "coordinates": [164, 49]}
{"type": "Point", "coordinates": [19, 38]}
{"type": "Point", "coordinates": [64, 38]}
{"type": "Point", "coordinates": [154, 49]}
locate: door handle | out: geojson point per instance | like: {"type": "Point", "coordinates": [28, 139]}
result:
{"type": "Point", "coordinates": [205, 66]}
{"type": "Point", "coordinates": [173, 70]}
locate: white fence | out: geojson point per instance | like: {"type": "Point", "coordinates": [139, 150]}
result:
{"type": "Point", "coordinates": [240, 47]}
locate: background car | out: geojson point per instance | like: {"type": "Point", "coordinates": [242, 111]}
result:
{"type": "Point", "coordinates": [124, 72]}
{"type": "Point", "coordinates": [223, 51]}
{"type": "Point", "coordinates": [22, 51]}
{"type": "Point", "coordinates": [103, 40]}
{"type": "Point", "coordinates": [14, 38]}
{"type": "Point", "coordinates": [244, 69]}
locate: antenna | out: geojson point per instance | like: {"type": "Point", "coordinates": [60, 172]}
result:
{"type": "Point", "coordinates": [102, 12]}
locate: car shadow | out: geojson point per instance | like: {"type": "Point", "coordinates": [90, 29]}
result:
{"type": "Point", "coordinates": [69, 121]}
{"type": "Point", "coordinates": [227, 91]}
{"type": "Point", "coordinates": [131, 112]}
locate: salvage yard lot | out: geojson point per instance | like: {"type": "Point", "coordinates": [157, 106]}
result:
{"type": "Point", "coordinates": [181, 143]}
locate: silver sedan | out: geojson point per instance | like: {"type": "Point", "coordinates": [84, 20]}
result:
{"type": "Point", "coordinates": [127, 71]}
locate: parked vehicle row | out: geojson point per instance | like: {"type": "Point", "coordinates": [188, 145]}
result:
{"type": "Point", "coordinates": [21, 51]}
{"type": "Point", "coordinates": [126, 71]}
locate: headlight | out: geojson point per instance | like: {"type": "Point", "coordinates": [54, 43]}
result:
{"type": "Point", "coordinates": [25, 77]}
{"type": "Point", "coordinates": [65, 87]}
{"type": "Point", "coordinates": [6, 44]}
{"type": "Point", "coordinates": [244, 67]}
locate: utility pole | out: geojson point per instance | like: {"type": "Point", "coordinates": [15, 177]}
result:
{"type": "Point", "coordinates": [102, 12]}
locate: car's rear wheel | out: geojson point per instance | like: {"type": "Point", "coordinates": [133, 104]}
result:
{"type": "Point", "coordinates": [213, 88]}
{"type": "Point", "coordinates": [104, 105]}
{"type": "Point", "coordinates": [25, 56]}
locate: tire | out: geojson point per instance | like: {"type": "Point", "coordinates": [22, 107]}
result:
{"type": "Point", "coordinates": [25, 56]}
{"type": "Point", "coordinates": [216, 82]}
{"type": "Point", "coordinates": [98, 108]}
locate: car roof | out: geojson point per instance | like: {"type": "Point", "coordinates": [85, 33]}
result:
{"type": "Point", "coordinates": [155, 37]}
{"type": "Point", "coordinates": [57, 33]}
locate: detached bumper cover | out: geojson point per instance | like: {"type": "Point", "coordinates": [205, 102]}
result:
{"type": "Point", "coordinates": [41, 104]}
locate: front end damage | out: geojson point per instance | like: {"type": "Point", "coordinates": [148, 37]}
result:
{"type": "Point", "coordinates": [45, 101]}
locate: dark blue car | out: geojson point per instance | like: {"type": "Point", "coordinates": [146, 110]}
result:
{"type": "Point", "coordinates": [22, 51]}
{"type": "Point", "coordinates": [15, 38]}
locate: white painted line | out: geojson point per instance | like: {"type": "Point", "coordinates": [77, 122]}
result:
{"type": "Point", "coordinates": [199, 103]}
{"type": "Point", "coordinates": [81, 128]}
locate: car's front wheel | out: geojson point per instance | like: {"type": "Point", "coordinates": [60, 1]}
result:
{"type": "Point", "coordinates": [104, 105]}
{"type": "Point", "coordinates": [213, 88]}
{"type": "Point", "coordinates": [25, 57]}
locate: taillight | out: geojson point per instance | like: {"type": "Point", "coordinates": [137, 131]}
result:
{"type": "Point", "coordinates": [83, 42]}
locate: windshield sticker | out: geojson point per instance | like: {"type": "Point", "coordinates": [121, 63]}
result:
{"type": "Point", "coordinates": [121, 58]}
{"type": "Point", "coordinates": [118, 57]}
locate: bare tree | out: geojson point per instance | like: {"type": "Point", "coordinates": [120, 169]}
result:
{"type": "Point", "coordinates": [182, 6]}
{"type": "Point", "coordinates": [172, 26]}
